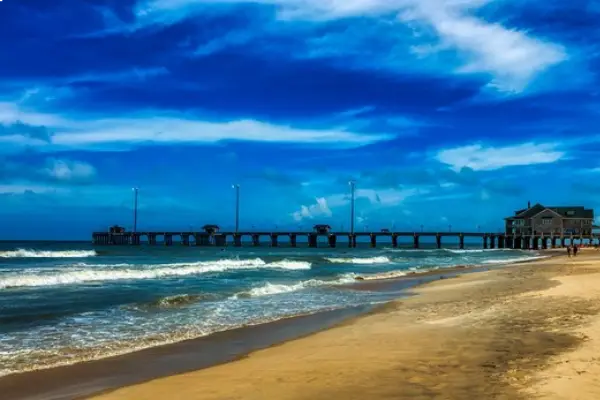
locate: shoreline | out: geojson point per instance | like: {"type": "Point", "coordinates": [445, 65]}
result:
{"type": "Point", "coordinates": [106, 375]}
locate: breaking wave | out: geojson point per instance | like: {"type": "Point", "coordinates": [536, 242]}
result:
{"type": "Point", "coordinates": [177, 300]}
{"type": "Point", "coordinates": [384, 275]}
{"type": "Point", "coordinates": [513, 260]}
{"type": "Point", "coordinates": [25, 253]}
{"type": "Point", "coordinates": [471, 251]}
{"type": "Point", "coordinates": [371, 260]}
{"type": "Point", "coordinates": [94, 273]}
{"type": "Point", "coordinates": [270, 289]}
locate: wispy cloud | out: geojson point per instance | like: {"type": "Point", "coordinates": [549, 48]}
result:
{"type": "Point", "coordinates": [24, 188]}
{"type": "Point", "coordinates": [151, 128]}
{"type": "Point", "coordinates": [481, 158]}
{"type": "Point", "coordinates": [513, 58]}
{"type": "Point", "coordinates": [388, 197]}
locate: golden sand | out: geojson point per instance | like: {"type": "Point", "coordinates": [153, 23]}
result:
{"type": "Point", "coordinates": [521, 332]}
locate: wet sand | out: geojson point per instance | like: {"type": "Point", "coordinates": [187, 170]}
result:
{"type": "Point", "coordinates": [521, 332]}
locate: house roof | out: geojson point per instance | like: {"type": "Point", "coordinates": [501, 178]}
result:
{"type": "Point", "coordinates": [579, 212]}
{"type": "Point", "coordinates": [530, 212]}
{"type": "Point", "coordinates": [210, 226]}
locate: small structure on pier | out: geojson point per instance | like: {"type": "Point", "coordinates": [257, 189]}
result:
{"type": "Point", "coordinates": [116, 229]}
{"type": "Point", "coordinates": [322, 229]}
{"type": "Point", "coordinates": [211, 229]}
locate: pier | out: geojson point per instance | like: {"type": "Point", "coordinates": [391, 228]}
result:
{"type": "Point", "coordinates": [336, 239]}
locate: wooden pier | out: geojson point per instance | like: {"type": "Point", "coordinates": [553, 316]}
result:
{"type": "Point", "coordinates": [272, 239]}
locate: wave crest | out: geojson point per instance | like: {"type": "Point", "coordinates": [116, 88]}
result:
{"type": "Point", "coordinates": [369, 260]}
{"type": "Point", "coordinates": [270, 289]}
{"type": "Point", "coordinates": [177, 300]}
{"type": "Point", "coordinates": [29, 253]}
{"type": "Point", "coordinates": [513, 260]}
{"type": "Point", "coordinates": [384, 275]}
{"type": "Point", "coordinates": [95, 273]}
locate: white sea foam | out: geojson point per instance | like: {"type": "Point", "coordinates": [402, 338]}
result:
{"type": "Point", "coordinates": [371, 260]}
{"type": "Point", "coordinates": [290, 264]}
{"type": "Point", "coordinates": [88, 273]}
{"type": "Point", "coordinates": [270, 289]}
{"type": "Point", "coordinates": [513, 260]}
{"type": "Point", "coordinates": [28, 253]}
{"type": "Point", "coordinates": [469, 251]}
{"type": "Point", "coordinates": [387, 275]}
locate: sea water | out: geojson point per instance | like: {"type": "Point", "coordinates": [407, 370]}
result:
{"type": "Point", "coordinates": [62, 303]}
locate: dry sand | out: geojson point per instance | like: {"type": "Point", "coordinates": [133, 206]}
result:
{"type": "Point", "coordinates": [522, 332]}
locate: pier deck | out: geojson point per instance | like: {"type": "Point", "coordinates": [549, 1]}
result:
{"type": "Point", "coordinates": [222, 239]}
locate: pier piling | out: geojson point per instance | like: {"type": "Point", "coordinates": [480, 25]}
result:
{"type": "Point", "coordinates": [332, 240]}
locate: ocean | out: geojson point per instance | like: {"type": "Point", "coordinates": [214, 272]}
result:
{"type": "Point", "coordinates": [63, 303]}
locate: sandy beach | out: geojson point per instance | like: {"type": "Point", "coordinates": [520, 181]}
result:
{"type": "Point", "coordinates": [520, 332]}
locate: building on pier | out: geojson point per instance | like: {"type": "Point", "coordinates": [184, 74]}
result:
{"type": "Point", "coordinates": [211, 229]}
{"type": "Point", "coordinates": [551, 221]}
{"type": "Point", "coordinates": [322, 229]}
{"type": "Point", "coordinates": [116, 229]}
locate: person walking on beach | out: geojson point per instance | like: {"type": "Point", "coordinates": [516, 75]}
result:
{"type": "Point", "coordinates": [575, 249]}
{"type": "Point", "coordinates": [569, 250]}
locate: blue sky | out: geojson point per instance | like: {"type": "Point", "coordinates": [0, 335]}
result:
{"type": "Point", "coordinates": [445, 112]}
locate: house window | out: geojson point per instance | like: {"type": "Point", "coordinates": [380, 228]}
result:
{"type": "Point", "coordinates": [570, 213]}
{"type": "Point", "coordinates": [547, 221]}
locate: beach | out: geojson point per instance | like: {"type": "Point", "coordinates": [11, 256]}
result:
{"type": "Point", "coordinates": [523, 331]}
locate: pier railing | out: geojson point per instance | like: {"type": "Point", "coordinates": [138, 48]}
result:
{"type": "Point", "coordinates": [236, 239]}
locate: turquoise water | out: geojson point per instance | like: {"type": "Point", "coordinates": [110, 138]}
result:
{"type": "Point", "coordinates": [62, 303]}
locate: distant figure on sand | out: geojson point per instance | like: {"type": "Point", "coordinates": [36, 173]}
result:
{"type": "Point", "coordinates": [569, 250]}
{"type": "Point", "coordinates": [575, 249]}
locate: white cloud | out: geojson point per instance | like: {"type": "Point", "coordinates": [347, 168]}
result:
{"type": "Point", "coordinates": [152, 129]}
{"type": "Point", "coordinates": [67, 170]}
{"type": "Point", "coordinates": [513, 58]}
{"type": "Point", "coordinates": [319, 209]}
{"type": "Point", "coordinates": [182, 130]}
{"type": "Point", "coordinates": [480, 158]}
{"type": "Point", "coordinates": [387, 197]}
{"type": "Point", "coordinates": [22, 188]}
{"type": "Point", "coordinates": [11, 113]}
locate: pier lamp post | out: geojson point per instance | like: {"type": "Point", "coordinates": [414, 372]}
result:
{"type": "Point", "coordinates": [135, 208]}
{"type": "Point", "coordinates": [237, 207]}
{"type": "Point", "coordinates": [352, 190]}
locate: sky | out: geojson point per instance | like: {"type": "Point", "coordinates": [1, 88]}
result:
{"type": "Point", "coordinates": [448, 114]}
